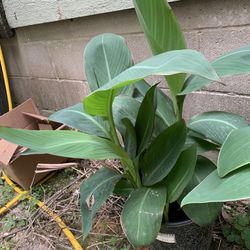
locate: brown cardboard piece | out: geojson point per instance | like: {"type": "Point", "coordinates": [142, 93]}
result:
{"type": "Point", "coordinates": [21, 168]}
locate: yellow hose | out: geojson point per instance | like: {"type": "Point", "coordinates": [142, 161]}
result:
{"type": "Point", "coordinates": [6, 81]}
{"type": "Point", "coordinates": [10, 204]}
{"type": "Point", "coordinates": [46, 209]}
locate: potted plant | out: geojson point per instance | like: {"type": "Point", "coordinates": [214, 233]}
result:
{"type": "Point", "coordinates": [124, 118]}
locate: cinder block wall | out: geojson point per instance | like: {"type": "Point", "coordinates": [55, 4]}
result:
{"type": "Point", "coordinates": [45, 62]}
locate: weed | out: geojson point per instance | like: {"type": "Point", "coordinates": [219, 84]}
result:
{"type": "Point", "coordinates": [11, 221]}
{"type": "Point", "coordinates": [239, 230]}
{"type": "Point", "coordinates": [6, 193]}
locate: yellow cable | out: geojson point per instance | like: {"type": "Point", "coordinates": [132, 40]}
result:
{"type": "Point", "coordinates": [6, 81]}
{"type": "Point", "coordinates": [46, 209]}
{"type": "Point", "coordinates": [10, 204]}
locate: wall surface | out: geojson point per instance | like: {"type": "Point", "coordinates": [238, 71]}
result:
{"type": "Point", "coordinates": [30, 12]}
{"type": "Point", "coordinates": [45, 61]}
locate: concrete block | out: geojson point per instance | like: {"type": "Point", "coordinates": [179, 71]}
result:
{"type": "Point", "coordinates": [193, 14]}
{"type": "Point", "coordinates": [214, 43]}
{"type": "Point", "coordinates": [48, 94]}
{"type": "Point", "coordinates": [138, 46]}
{"type": "Point", "coordinates": [67, 58]}
{"type": "Point", "coordinates": [237, 84]}
{"type": "Point", "coordinates": [12, 66]}
{"type": "Point", "coordinates": [208, 101]}
{"type": "Point", "coordinates": [192, 39]}
{"type": "Point", "coordinates": [31, 59]}
{"type": "Point", "coordinates": [38, 61]}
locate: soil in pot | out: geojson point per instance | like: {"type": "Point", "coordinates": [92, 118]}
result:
{"type": "Point", "coordinates": [182, 232]}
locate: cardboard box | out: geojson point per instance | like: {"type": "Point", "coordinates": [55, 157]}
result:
{"type": "Point", "coordinates": [20, 168]}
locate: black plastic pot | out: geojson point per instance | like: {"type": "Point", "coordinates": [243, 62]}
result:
{"type": "Point", "coordinates": [186, 234]}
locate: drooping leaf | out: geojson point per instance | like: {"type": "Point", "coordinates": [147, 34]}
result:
{"type": "Point", "coordinates": [181, 174]}
{"type": "Point", "coordinates": [162, 31]}
{"type": "Point", "coordinates": [64, 143]}
{"type": "Point", "coordinates": [233, 63]}
{"type": "Point", "coordinates": [94, 192]}
{"type": "Point", "coordinates": [201, 214]}
{"type": "Point", "coordinates": [76, 117]}
{"type": "Point", "coordinates": [130, 139]}
{"type": "Point", "coordinates": [162, 154]}
{"type": "Point", "coordinates": [145, 119]}
{"type": "Point", "coordinates": [216, 125]}
{"type": "Point", "coordinates": [142, 215]}
{"type": "Point", "coordinates": [235, 151]}
{"type": "Point", "coordinates": [168, 63]}
{"type": "Point", "coordinates": [105, 56]}
{"type": "Point", "coordinates": [125, 107]}
{"type": "Point", "coordinates": [214, 189]}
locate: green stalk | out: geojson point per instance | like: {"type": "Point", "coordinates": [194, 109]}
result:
{"type": "Point", "coordinates": [176, 107]}
{"type": "Point", "coordinates": [113, 132]}
{"type": "Point", "coordinates": [165, 212]}
{"type": "Point", "coordinates": [175, 85]}
{"type": "Point", "coordinates": [180, 101]}
{"type": "Point", "coordinates": [126, 164]}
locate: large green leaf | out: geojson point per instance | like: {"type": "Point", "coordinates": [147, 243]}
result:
{"type": "Point", "coordinates": [64, 143]}
{"type": "Point", "coordinates": [145, 119]}
{"type": "Point", "coordinates": [105, 56]}
{"type": "Point", "coordinates": [235, 186]}
{"type": "Point", "coordinates": [94, 192]}
{"type": "Point", "coordinates": [76, 117]}
{"type": "Point", "coordinates": [162, 31]}
{"type": "Point", "coordinates": [235, 152]}
{"type": "Point", "coordinates": [233, 63]}
{"type": "Point", "coordinates": [201, 214]}
{"type": "Point", "coordinates": [181, 174]}
{"type": "Point", "coordinates": [216, 125]}
{"type": "Point", "coordinates": [125, 107]}
{"type": "Point", "coordinates": [162, 154]}
{"type": "Point", "coordinates": [168, 63]}
{"type": "Point", "coordinates": [142, 215]}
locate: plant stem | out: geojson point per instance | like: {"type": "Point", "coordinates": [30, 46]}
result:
{"type": "Point", "coordinates": [126, 164]}
{"type": "Point", "coordinates": [177, 112]}
{"type": "Point", "coordinates": [132, 170]}
{"type": "Point", "coordinates": [113, 132]}
{"type": "Point", "coordinates": [165, 212]}
{"type": "Point", "coordinates": [180, 102]}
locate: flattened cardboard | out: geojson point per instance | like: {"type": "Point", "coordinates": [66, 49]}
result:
{"type": "Point", "coordinates": [21, 168]}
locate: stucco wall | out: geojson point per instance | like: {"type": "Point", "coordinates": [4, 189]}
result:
{"type": "Point", "coordinates": [45, 61]}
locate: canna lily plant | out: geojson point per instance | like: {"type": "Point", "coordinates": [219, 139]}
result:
{"type": "Point", "coordinates": [125, 118]}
